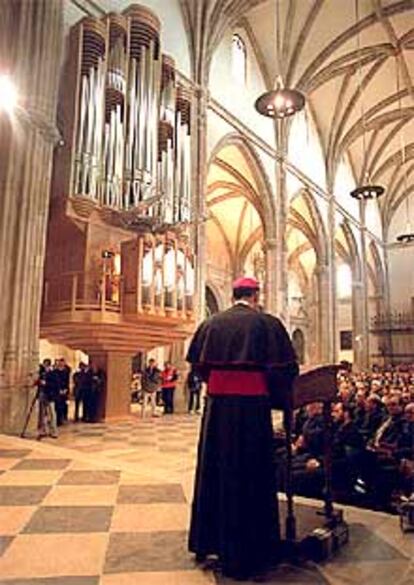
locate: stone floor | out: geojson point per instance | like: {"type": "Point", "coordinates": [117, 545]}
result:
{"type": "Point", "coordinates": [109, 505]}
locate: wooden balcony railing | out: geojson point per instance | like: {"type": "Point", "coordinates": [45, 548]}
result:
{"type": "Point", "coordinates": [82, 291]}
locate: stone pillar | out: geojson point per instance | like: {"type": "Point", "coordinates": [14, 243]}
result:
{"type": "Point", "coordinates": [358, 325]}
{"type": "Point", "coordinates": [386, 340]}
{"type": "Point", "coordinates": [323, 337]}
{"type": "Point", "coordinates": [177, 358]}
{"type": "Point", "coordinates": [270, 247]}
{"type": "Point", "coordinates": [31, 34]}
{"type": "Point", "coordinates": [330, 308]}
{"type": "Point", "coordinates": [116, 399]}
{"type": "Point", "coordinates": [199, 196]}
{"type": "Point", "coordinates": [281, 276]}
{"type": "Point", "coordinates": [364, 351]}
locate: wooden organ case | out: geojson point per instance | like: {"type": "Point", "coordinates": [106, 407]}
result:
{"type": "Point", "coordinates": [119, 273]}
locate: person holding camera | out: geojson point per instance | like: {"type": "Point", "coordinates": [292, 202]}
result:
{"type": "Point", "coordinates": [48, 392]}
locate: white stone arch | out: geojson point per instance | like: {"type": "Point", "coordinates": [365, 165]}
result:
{"type": "Point", "coordinates": [259, 173]}
{"type": "Point", "coordinates": [318, 233]}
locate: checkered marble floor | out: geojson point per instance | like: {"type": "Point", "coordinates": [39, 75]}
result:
{"type": "Point", "coordinates": [108, 504]}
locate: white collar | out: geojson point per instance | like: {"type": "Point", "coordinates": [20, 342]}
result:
{"type": "Point", "coordinates": [241, 302]}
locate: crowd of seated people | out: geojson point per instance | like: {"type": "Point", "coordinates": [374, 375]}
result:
{"type": "Point", "coordinates": [372, 440]}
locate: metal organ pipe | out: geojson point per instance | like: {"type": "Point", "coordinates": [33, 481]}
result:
{"type": "Point", "coordinates": [143, 96]}
{"type": "Point", "coordinates": [166, 146]}
{"type": "Point", "coordinates": [115, 88]}
{"type": "Point", "coordinates": [132, 148]}
{"type": "Point", "coordinates": [91, 71]}
{"type": "Point", "coordinates": [183, 157]}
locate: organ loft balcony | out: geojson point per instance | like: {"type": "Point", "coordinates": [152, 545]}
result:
{"type": "Point", "coordinates": [118, 291]}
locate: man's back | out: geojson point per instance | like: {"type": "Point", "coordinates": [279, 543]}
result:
{"type": "Point", "coordinates": [241, 337]}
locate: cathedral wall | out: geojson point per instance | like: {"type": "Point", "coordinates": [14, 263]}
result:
{"type": "Point", "coordinates": [401, 278]}
{"type": "Point", "coordinates": [344, 323]}
{"type": "Point", "coordinates": [236, 97]}
{"type": "Point", "coordinates": [344, 182]}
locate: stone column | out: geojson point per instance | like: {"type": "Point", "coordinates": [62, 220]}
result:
{"type": "Point", "coordinates": [323, 337]}
{"type": "Point", "coordinates": [116, 399]}
{"type": "Point", "coordinates": [270, 247]}
{"type": "Point", "coordinates": [358, 325]}
{"type": "Point", "coordinates": [331, 333]}
{"type": "Point", "coordinates": [281, 276]}
{"type": "Point", "coordinates": [386, 340]}
{"type": "Point", "coordinates": [31, 34]}
{"type": "Point", "coordinates": [363, 307]}
{"type": "Point", "coordinates": [177, 358]}
{"type": "Point", "coordinates": [199, 195]}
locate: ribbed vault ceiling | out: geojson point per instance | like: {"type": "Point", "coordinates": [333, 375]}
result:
{"type": "Point", "coordinates": [355, 63]}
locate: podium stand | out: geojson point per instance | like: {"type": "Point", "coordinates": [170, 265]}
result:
{"type": "Point", "coordinates": [331, 532]}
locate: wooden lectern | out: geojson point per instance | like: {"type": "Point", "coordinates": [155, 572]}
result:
{"type": "Point", "coordinates": [317, 385]}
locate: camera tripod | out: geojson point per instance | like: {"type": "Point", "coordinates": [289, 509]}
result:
{"type": "Point", "coordinates": [44, 426]}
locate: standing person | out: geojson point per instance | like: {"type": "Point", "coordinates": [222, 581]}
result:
{"type": "Point", "coordinates": [87, 394]}
{"type": "Point", "coordinates": [63, 375]}
{"type": "Point", "coordinates": [240, 353]}
{"type": "Point", "coordinates": [97, 389]}
{"type": "Point", "coordinates": [194, 384]}
{"type": "Point", "coordinates": [48, 392]}
{"type": "Point", "coordinates": [151, 380]}
{"type": "Point", "coordinates": [169, 377]}
{"type": "Point", "coordinates": [78, 390]}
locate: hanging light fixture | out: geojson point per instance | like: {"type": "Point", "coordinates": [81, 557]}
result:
{"type": "Point", "coordinates": [281, 102]}
{"type": "Point", "coordinates": [365, 191]}
{"type": "Point", "coordinates": [408, 235]}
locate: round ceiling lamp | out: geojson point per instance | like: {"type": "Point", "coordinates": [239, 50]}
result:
{"type": "Point", "coordinates": [366, 191]}
{"type": "Point", "coordinates": [406, 238]}
{"type": "Point", "coordinates": [408, 235]}
{"type": "Point", "coordinates": [280, 102]}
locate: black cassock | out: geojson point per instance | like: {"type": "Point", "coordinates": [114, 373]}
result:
{"type": "Point", "coordinates": [248, 362]}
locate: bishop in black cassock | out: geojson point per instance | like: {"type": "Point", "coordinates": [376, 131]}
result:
{"type": "Point", "coordinates": [247, 360]}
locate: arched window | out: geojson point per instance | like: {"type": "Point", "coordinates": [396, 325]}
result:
{"type": "Point", "coordinates": [238, 59]}
{"type": "Point", "coordinates": [344, 281]}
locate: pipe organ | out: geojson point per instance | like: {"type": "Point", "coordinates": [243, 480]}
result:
{"type": "Point", "coordinates": [126, 121]}
{"type": "Point", "coordinates": [119, 271]}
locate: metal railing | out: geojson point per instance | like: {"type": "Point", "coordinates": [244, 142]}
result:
{"type": "Point", "coordinates": [393, 321]}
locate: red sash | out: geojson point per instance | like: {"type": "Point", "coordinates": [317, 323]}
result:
{"type": "Point", "coordinates": [237, 382]}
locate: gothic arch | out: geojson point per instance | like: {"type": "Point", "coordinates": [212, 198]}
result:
{"type": "Point", "coordinates": [351, 252]}
{"type": "Point", "coordinates": [316, 233]}
{"type": "Point", "coordinates": [265, 192]}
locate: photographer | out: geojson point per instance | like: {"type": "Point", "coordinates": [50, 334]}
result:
{"type": "Point", "coordinates": [48, 391]}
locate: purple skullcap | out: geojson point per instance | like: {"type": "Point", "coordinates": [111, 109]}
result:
{"type": "Point", "coordinates": [246, 282]}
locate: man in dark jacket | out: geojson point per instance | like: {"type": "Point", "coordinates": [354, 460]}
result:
{"type": "Point", "coordinates": [48, 392]}
{"type": "Point", "coordinates": [241, 354]}
{"type": "Point", "coordinates": [374, 417]}
{"type": "Point", "coordinates": [194, 384]}
{"type": "Point", "coordinates": [63, 376]}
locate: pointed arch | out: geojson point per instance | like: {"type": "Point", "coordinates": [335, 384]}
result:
{"type": "Point", "coordinates": [316, 233]}
{"type": "Point", "coordinates": [260, 176]}
{"type": "Point", "coordinates": [351, 250]}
